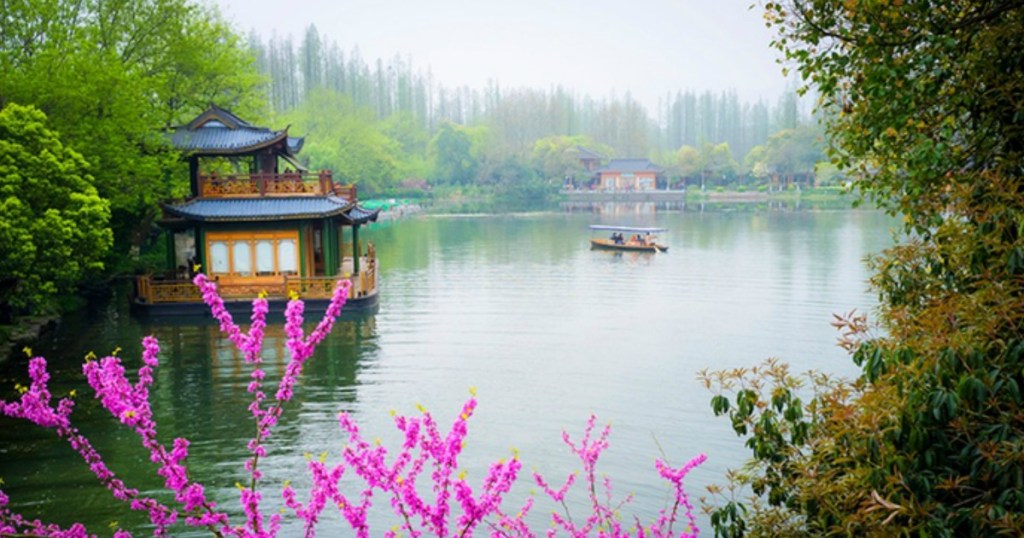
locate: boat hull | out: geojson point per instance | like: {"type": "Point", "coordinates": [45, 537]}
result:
{"type": "Point", "coordinates": [241, 309]}
{"type": "Point", "coordinates": [607, 244]}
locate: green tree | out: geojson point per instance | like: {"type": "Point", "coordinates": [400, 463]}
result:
{"type": "Point", "coordinates": [689, 162]}
{"type": "Point", "coordinates": [756, 163]}
{"type": "Point", "coordinates": [711, 161]}
{"type": "Point", "coordinates": [623, 125]}
{"type": "Point", "coordinates": [54, 227]}
{"type": "Point", "coordinates": [922, 104]}
{"type": "Point", "coordinates": [790, 153]}
{"type": "Point", "coordinates": [412, 139]}
{"type": "Point", "coordinates": [718, 162]}
{"type": "Point", "coordinates": [514, 181]}
{"type": "Point", "coordinates": [347, 139]}
{"type": "Point", "coordinates": [827, 174]}
{"type": "Point", "coordinates": [111, 74]}
{"type": "Point", "coordinates": [558, 156]}
{"type": "Point", "coordinates": [451, 152]}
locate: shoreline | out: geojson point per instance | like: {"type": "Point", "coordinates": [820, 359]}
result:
{"type": "Point", "coordinates": [25, 332]}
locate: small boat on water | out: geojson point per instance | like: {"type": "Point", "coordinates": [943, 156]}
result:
{"type": "Point", "coordinates": [638, 239]}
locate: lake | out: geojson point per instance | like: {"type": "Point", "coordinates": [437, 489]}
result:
{"type": "Point", "coordinates": [516, 306]}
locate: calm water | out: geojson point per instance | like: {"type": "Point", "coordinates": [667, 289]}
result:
{"type": "Point", "coordinates": [516, 306]}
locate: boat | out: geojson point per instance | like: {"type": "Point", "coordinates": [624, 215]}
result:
{"type": "Point", "coordinates": [647, 243]}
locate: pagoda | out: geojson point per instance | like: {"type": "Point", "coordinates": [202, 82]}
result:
{"type": "Point", "coordinates": [257, 221]}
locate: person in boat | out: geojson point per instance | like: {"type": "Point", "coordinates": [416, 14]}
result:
{"type": "Point", "coordinates": [648, 240]}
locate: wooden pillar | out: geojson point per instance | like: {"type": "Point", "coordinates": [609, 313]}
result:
{"type": "Point", "coordinates": [355, 249]}
{"type": "Point", "coordinates": [305, 250]}
{"type": "Point", "coordinates": [193, 174]}
{"type": "Point", "coordinates": [329, 237]}
{"type": "Point", "coordinates": [169, 242]}
{"type": "Point", "coordinates": [200, 251]}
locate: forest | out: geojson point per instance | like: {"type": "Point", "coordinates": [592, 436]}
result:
{"type": "Point", "coordinates": [515, 140]}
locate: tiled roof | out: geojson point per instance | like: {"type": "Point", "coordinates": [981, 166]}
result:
{"type": "Point", "coordinates": [252, 209]}
{"type": "Point", "coordinates": [586, 154]}
{"type": "Point", "coordinates": [219, 132]}
{"type": "Point", "coordinates": [270, 209]}
{"type": "Point", "coordinates": [213, 137]}
{"type": "Point", "coordinates": [630, 165]}
{"type": "Point", "coordinates": [361, 215]}
{"type": "Point", "coordinates": [222, 115]}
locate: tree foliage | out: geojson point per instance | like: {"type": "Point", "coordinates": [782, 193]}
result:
{"type": "Point", "coordinates": [717, 161]}
{"type": "Point", "coordinates": [454, 159]}
{"type": "Point", "coordinates": [711, 162]}
{"type": "Point", "coordinates": [689, 161]}
{"type": "Point", "coordinates": [110, 74]}
{"type": "Point", "coordinates": [922, 103]}
{"type": "Point", "coordinates": [516, 118]}
{"type": "Point", "coordinates": [53, 224]}
{"type": "Point", "coordinates": [555, 157]}
{"type": "Point", "coordinates": [346, 139]}
{"type": "Point", "coordinates": [787, 153]}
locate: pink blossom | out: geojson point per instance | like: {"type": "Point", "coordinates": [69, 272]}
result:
{"type": "Point", "coordinates": [447, 505]}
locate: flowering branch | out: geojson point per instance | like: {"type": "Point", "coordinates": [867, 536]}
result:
{"type": "Point", "coordinates": [425, 452]}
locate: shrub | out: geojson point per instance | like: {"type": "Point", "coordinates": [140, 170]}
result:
{"type": "Point", "coordinates": [922, 109]}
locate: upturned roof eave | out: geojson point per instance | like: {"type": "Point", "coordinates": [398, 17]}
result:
{"type": "Point", "coordinates": [252, 148]}
{"type": "Point", "coordinates": [177, 211]}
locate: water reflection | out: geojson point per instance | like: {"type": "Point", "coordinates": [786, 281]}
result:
{"type": "Point", "coordinates": [639, 209]}
{"type": "Point", "coordinates": [516, 305]}
{"type": "Point", "coordinates": [615, 256]}
{"type": "Point", "coordinates": [199, 393]}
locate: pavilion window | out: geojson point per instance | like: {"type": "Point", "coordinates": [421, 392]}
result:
{"type": "Point", "coordinates": [253, 254]}
{"type": "Point", "coordinates": [242, 258]}
{"type": "Point", "coordinates": [287, 256]}
{"type": "Point", "coordinates": [264, 257]}
{"type": "Point", "coordinates": [219, 262]}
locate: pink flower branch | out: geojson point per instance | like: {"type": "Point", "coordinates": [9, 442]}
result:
{"type": "Point", "coordinates": [454, 508]}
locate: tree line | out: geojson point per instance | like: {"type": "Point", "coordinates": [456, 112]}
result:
{"type": "Point", "coordinates": [510, 130]}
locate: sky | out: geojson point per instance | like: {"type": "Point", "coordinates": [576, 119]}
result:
{"type": "Point", "coordinates": [603, 48]}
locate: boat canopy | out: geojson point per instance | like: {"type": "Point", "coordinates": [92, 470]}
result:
{"type": "Point", "coordinates": [633, 229]}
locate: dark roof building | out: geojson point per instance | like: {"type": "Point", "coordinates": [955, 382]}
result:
{"type": "Point", "coordinates": [589, 159]}
{"type": "Point", "coordinates": [630, 166]}
{"type": "Point", "coordinates": [628, 174]}
{"type": "Point", "coordinates": [256, 220]}
{"type": "Point", "coordinates": [219, 132]}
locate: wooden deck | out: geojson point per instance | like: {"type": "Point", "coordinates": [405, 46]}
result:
{"type": "Point", "coordinates": [150, 290]}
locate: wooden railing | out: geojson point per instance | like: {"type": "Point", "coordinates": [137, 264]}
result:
{"type": "Point", "coordinates": [166, 291]}
{"type": "Point", "coordinates": [322, 287]}
{"type": "Point", "coordinates": [153, 291]}
{"type": "Point", "coordinates": [269, 184]}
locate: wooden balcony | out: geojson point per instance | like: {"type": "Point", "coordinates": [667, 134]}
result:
{"type": "Point", "coordinates": [150, 290]}
{"type": "Point", "coordinates": [269, 184]}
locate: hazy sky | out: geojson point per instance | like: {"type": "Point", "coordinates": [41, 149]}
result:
{"type": "Point", "coordinates": [597, 47]}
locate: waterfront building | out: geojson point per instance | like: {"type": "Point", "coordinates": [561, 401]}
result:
{"type": "Point", "coordinates": [256, 220]}
{"type": "Point", "coordinates": [628, 175]}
